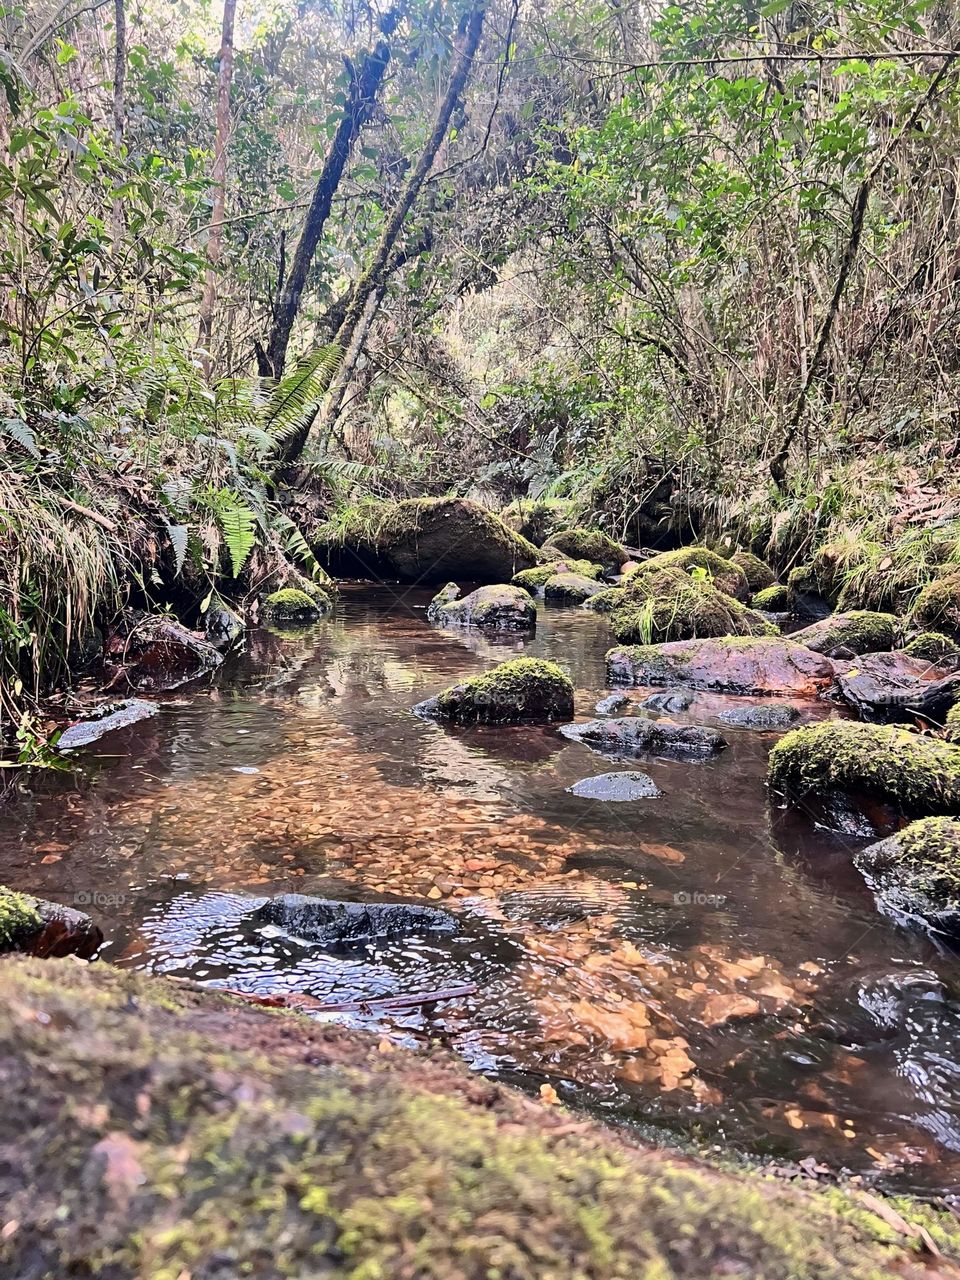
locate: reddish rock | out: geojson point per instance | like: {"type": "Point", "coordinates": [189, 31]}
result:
{"type": "Point", "coordinates": [769, 666]}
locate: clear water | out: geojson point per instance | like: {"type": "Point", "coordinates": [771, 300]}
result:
{"type": "Point", "coordinates": [702, 963]}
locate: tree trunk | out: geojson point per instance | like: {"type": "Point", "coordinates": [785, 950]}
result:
{"type": "Point", "coordinates": [119, 69]}
{"type": "Point", "coordinates": [361, 100]}
{"type": "Point", "coordinates": [370, 281]}
{"type": "Point", "coordinates": [215, 236]}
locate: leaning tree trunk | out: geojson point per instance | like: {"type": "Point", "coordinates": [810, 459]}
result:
{"type": "Point", "coordinates": [119, 68]}
{"type": "Point", "coordinates": [371, 280]}
{"type": "Point", "coordinates": [361, 100]}
{"type": "Point", "coordinates": [215, 237]}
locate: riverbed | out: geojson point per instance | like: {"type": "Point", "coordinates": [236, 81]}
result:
{"type": "Point", "coordinates": [703, 964]}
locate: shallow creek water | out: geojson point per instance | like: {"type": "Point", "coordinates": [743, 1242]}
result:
{"type": "Point", "coordinates": [701, 963]}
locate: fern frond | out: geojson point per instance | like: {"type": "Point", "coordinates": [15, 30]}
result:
{"type": "Point", "coordinates": [297, 547]}
{"type": "Point", "coordinates": [20, 433]}
{"type": "Point", "coordinates": [238, 526]}
{"type": "Point", "coordinates": [295, 400]}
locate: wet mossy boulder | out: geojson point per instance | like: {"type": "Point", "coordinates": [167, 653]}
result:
{"type": "Point", "coordinates": [607, 601]}
{"type": "Point", "coordinates": [537, 519]}
{"type": "Point", "coordinates": [521, 690]}
{"type": "Point", "coordinates": [758, 573]}
{"type": "Point", "coordinates": [720, 573]}
{"type": "Point", "coordinates": [571, 588]}
{"type": "Point", "coordinates": [916, 775]}
{"type": "Point", "coordinates": [156, 1129]}
{"type": "Point", "coordinates": [810, 593]}
{"type": "Point", "coordinates": [290, 604]}
{"type": "Point", "coordinates": [426, 540]}
{"type": "Point", "coordinates": [773, 599]}
{"type": "Point", "coordinates": [768, 665]}
{"type": "Point", "coordinates": [937, 607]}
{"type": "Point", "coordinates": [495, 608]}
{"type": "Point", "coordinates": [915, 873]}
{"type": "Point", "coordinates": [534, 579]}
{"type": "Point", "coordinates": [670, 604]}
{"type": "Point", "coordinates": [42, 928]}
{"type": "Point", "coordinates": [589, 544]}
{"type": "Point", "coordinates": [931, 646]}
{"type": "Point", "coordinates": [860, 631]}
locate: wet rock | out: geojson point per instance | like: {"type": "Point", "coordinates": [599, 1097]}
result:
{"type": "Point", "coordinates": [859, 631]}
{"type": "Point", "coordinates": [811, 592]}
{"type": "Point", "coordinates": [633, 735]}
{"type": "Point", "coordinates": [331, 923]}
{"type": "Point", "coordinates": [428, 540]}
{"type": "Point", "coordinates": [571, 588]}
{"type": "Point", "coordinates": [671, 700]}
{"type": "Point", "coordinates": [915, 874]}
{"type": "Point", "coordinates": [40, 928]}
{"type": "Point", "coordinates": [493, 608]}
{"type": "Point", "coordinates": [606, 601]}
{"type": "Point", "coordinates": [521, 690]}
{"type": "Point", "coordinates": [156, 652]}
{"type": "Point", "coordinates": [589, 544]}
{"type": "Point", "coordinates": [758, 573]}
{"type": "Point", "coordinates": [721, 573]}
{"type": "Point", "coordinates": [768, 717]}
{"type": "Point", "coordinates": [672, 605]}
{"type": "Point", "coordinates": [533, 580]}
{"type": "Point", "coordinates": [224, 626]}
{"type": "Point", "coordinates": [773, 599]}
{"type": "Point", "coordinates": [617, 787]}
{"type": "Point", "coordinates": [105, 719]}
{"type": "Point", "coordinates": [916, 775]}
{"type": "Point", "coordinates": [611, 704]}
{"type": "Point", "coordinates": [291, 604]}
{"type": "Point", "coordinates": [894, 684]}
{"type": "Point", "coordinates": [773, 666]}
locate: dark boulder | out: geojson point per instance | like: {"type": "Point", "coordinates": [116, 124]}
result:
{"type": "Point", "coordinates": [40, 928]}
{"type": "Point", "coordinates": [611, 704]}
{"type": "Point", "coordinates": [915, 873]}
{"type": "Point", "coordinates": [493, 608]}
{"type": "Point", "coordinates": [331, 923]}
{"type": "Point", "coordinates": [635, 736]}
{"type": "Point", "coordinates": [894, 685]}
{"type": "Point", "coordinates": [616, 787]}
{"type": "Point", "coordinates": [775, 716]}
{"type": "Point", "coordinates": [668, 700]}
{"type": "Point", "coordinates": [224, 627]}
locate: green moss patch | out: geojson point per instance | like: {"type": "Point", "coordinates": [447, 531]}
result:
{"type": "Point", "coordinates": [18, 917]}
{"type": "Point", "coordinates": [533, 579]}
{"type": "Point", "coordinates": [775, 599]}
{"type": "Point", "coordinates": [859, 630]}
{"type": "Point", "coordinates": [918, 775]}
{"type": "Point", "coordinates": [937, 607]}
{"type": "Point", "coordinates": [931, 646]}
{"type": "Point", "coordinates": [721, 573]}
{"type": "Point", "coordinates": [290, 604]}
{"type": "Point", "coordinates": [589, 544]}
{"type": "Point", "coordinates": [916, 872]}
{"type": "Point", "coordinates": [669, 604]}
{"type": "Point", "coordinates": [758, 573]}
{"type": "Point", "coordinates": [523, 689]}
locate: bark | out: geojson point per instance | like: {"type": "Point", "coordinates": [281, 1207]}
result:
{"type": "Point", "coordinates": [361, 100]}
{"type": "Point", "coordinates": [374, 276]}
{"type": "Point", "coordinates": [215, 237]}
{"type": "Point", "coordinates": [119, 69]}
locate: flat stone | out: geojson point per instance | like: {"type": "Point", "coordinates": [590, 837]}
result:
{"type": "Point", "coordinates": [617, 787]}
{"type": "Point", "coordinates": [633, 735]}
{"type": "Point", "coordinates": [332, 923]}
{"type": "Point", "coordinates": [762, 666]}
{"type": "Point", "coordinates": [775, 717]}
{"type": "Point", "coordinates": [105, 719]}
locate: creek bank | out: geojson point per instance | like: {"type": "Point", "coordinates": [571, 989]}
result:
{"type": "Point", "coordinates": [218, 1138]}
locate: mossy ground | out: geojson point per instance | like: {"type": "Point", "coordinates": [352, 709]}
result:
{"type": "Point", "coordinates": [153, 1130]}
{"type": "Point", "coordinates": [723, 574]}
{"type": "Point", "coordinates": [669, 604]}
{"type": "Point", "coordinates": [920, 775]}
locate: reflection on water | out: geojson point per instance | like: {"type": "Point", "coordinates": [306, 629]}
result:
{"type": "Point", "coordinates": [695, 961]}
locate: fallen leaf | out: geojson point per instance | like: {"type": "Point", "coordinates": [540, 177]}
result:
{"type": "Point", "coordinates": [549, 1095]}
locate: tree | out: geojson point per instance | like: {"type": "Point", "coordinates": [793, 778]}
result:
{"type": "Point", "coordinates": [215, 235]}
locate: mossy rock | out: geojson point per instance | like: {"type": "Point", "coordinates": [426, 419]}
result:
{"type": "Point", "coordinates": [523, 689]}
{"type": "Point", "coordinates": [669, 604]}
{"type": "Point", "coordinates": [570, 588]}
{"type": "Point", "coordinates": [931, 646]}
{"type": "Point", "coordinates": [918, 776]}
{"type": "Point", "coordinates": [154, 1129]}
{"type": "Point", "coordinates": [915, 873]}
{"type": "Point", "coordinates": [538, 518]}
{"type": "Point", "coordinates": [607, 601]}
{"type": "Point", "coordinates": [723, 574]}
{"type": "Point", "coordinates": [804, 580]}
{"type": "Point", "coordinates": [589, 544]}
{"type": "Point", "coordinates": [498, 608]}
{"type": "Point", "coordinates": [951, 728]}
{"type": "Point", "coordinates": [937, 607]}
{"type": "Point", "coordinates": [290, 604]}
{"type": "Point", "coordinates": [859, 630]}
{"type": "Point", "coordinates": [775, 599]}
{"type": "Point", "coordinates": [770, 666]}
{"type": "Point", "coordinates": [426, 540]}
{"type": "Point", "coordinates": [533, 580]}
{"type": "Point", "coordinates": [19, 917]}
{"type": "Point", "coordinates": [758, 573]}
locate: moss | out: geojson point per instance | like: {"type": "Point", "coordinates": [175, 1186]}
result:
{"type": "Point", "coordinates": [775, 599]}
{"type": "Point", "coordinates": [195, 1135]}
{"type": "Point", "coordinates": [290, 603]}
{"type": "Point", "coordinates": [533, 579]}
{"type": "Point", "coordinates": [937, 607]}
{"type": "Point", "coordinates": [931, 646]}
{"type": "Point", "coordinates": [497, 608]}
{"type": "Point", "coordinates": [571, 588]}
{"type": "Point", "coordinates": [537, 519]}
{"type": "Point", "coordinates": [919, 775]}
{"type": "Point", "coordinates": [521, 689]}
{"type": "Point", "coordinates": [18, 916]}
{"type": "Point", "coordinates": [668, 604]}
{"type": "Point", "coordinates": [723, 574]}
{"type": "Point", "coordinates": [916, 872]}
{"type": "Point", "coordinates": [859, 630]}
{"type": "Point", "coordinates": [758, 573]}
{"type": "Point", "coordinates": [589, 544]}
{"type": "Point", "coordinates": [951, 729]}
{"type": "Point", "coordinates": [606, 601]}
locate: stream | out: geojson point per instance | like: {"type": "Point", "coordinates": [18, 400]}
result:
{"type": "Point", "coordinates": [702, 964]}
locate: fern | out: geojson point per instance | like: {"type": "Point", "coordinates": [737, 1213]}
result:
{"type": "Point", "coordinates": [238, 525]}
{"type": "Point", "coordinates": [297, 547]}
{"type": "Point", "coordinates": [21, 434]}
{"type": "Point", "coordinates": [179, 535]}
{"type": "Point", "coordinates": [295, 400]}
